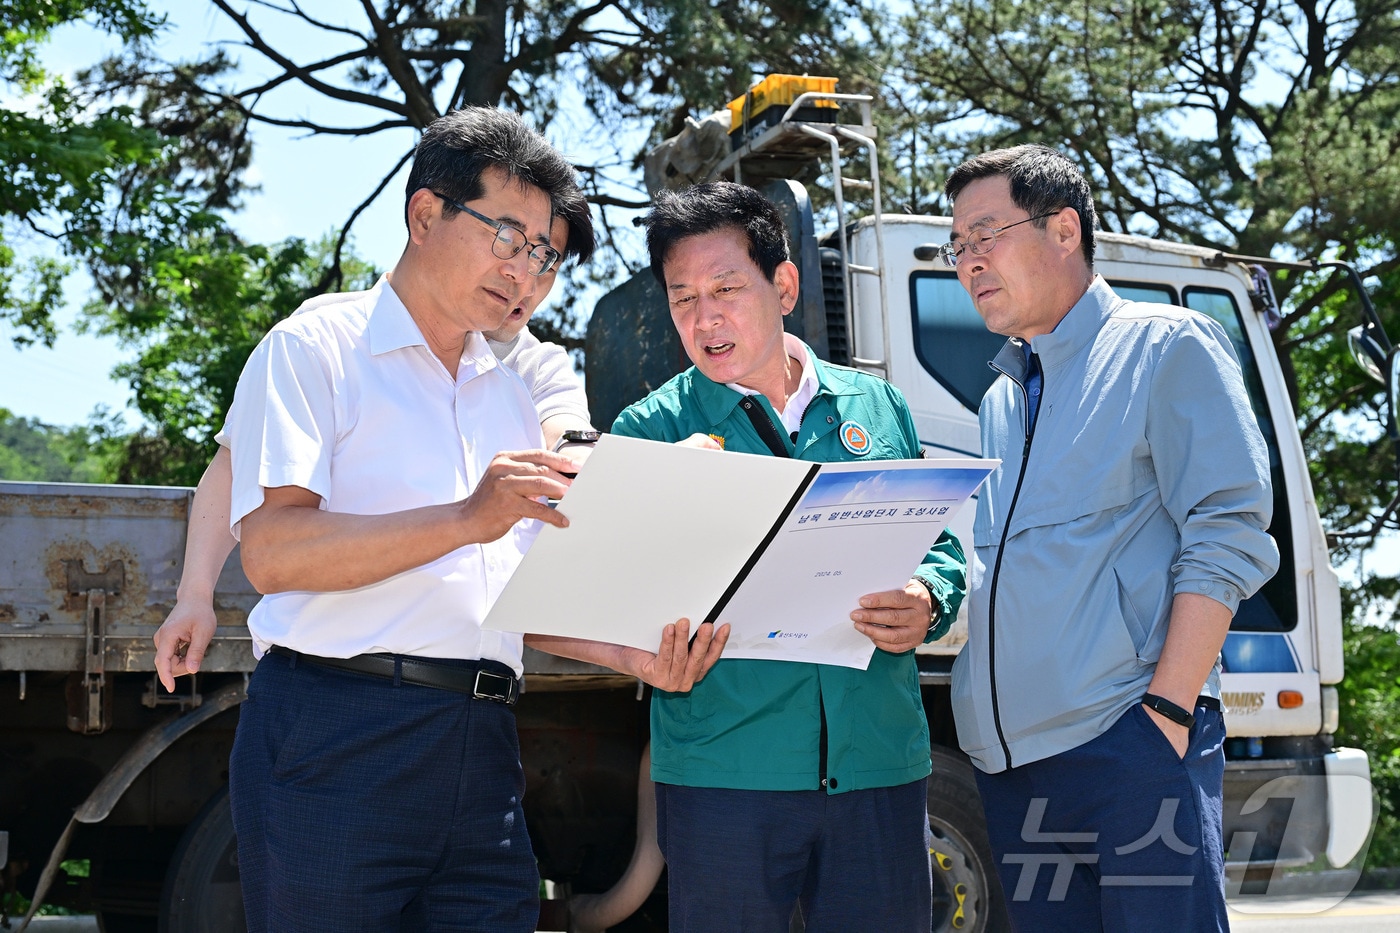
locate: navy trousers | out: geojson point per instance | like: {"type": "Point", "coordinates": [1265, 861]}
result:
{"type": "Point", "coordinates": [362, 804]}
{"type": "Point", "coordinates": [1118, 834]}
{"type": "Point", "coordinates": [744, 859]}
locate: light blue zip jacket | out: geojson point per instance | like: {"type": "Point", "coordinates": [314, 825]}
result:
{"type": "Point", "coordinates": [1145, 476]}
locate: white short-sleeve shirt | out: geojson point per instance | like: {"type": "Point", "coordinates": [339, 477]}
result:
{"type": "Point", "coordinates": [548, 372]}
{"type": "Point", "coordinates": [346, 400]}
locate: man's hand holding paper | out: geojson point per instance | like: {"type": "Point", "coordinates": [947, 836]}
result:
{"type": "Point", "coordinates": [895, 620]}
{"type": "Point", "coordinates": [678, 664]}
{"type": "Point", "coordinates": [781, 549]}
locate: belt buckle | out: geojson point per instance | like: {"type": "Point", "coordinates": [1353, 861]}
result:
{"type": "Point", "coordinates": [492, 686]}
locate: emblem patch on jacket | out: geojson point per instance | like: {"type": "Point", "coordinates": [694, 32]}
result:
{"type": "Point", "coordinates": [855, 438]}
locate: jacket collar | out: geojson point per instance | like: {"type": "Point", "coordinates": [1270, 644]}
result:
{"type": "Point", "coordinates": [718, 401]}
{"type": "Point", "coordinates": [1075, 329]}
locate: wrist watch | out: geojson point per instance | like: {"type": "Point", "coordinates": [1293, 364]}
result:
{"type": "Point", "coordinates": [934, 606]}
{"type": "Point", "coordinates": [1182, 717]}
{"type": "Point", "coordinates": [577, 437]}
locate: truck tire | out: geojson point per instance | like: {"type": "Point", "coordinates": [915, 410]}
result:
{"type": "Point", "coordinates": [967, 893]}
{"type": "Point", "coordinates": [201, 893]}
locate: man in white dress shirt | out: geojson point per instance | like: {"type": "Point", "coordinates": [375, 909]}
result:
{"type": "Point", "coordinates": [545, 368]}
{"type": "Point", "coordinates": [387, 477]}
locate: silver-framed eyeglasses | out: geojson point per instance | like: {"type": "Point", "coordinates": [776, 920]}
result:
{"type": "Point", "coordinates": [510, 240]}
{"type": "Point", "coordinates": [981, 242]}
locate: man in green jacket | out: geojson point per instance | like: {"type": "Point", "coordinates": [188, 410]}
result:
{"type": "Point", "coordinates": [780, 782]}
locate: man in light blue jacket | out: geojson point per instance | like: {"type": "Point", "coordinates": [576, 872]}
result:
{"type": "Point", "coordinates": [1113, 545]}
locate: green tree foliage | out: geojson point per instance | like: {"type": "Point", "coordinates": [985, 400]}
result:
{"type": "Point", "coordinates": [636, 67]}
{"type": "Point", "coordinates": [128, 184]}
{"type": "Point", "coordinates": [1340, 416]}
{"type": "Point", "coordinates": [60, 154]}
{"type": "Point", "coordinates": [119, 171]}
{"type": "Point", "coordinates": [32, 450]}
{"type": "Point", "coordinates": [1370, 709]}
{"type": "Point", "coordinates": [201, 307]}
{"type": "Point", "coordinates": [134, 174]}
{"type": "Point", "coordinates": [1266, 128]}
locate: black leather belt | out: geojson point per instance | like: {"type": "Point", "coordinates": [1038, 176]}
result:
{"type": "Point", "coordinates": [484, 680]}
{"type": "Point", "coordinates": [1208, 702]}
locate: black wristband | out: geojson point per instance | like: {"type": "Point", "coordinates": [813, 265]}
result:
{"type": "Point", "coordinates": [1169, 709]}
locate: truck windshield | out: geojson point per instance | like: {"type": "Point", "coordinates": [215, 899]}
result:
{"type": "Point", "coordinates": [950, 340]}
{"type": "Point", "coordinates": [953, 346]}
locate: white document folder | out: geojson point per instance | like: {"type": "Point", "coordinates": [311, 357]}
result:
{"type": "Point", "coordinates": [780, 549]}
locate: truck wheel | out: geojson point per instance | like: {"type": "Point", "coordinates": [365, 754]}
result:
{"type": "Point", "coordinates": [966, 891]}
{"type": "Point", "coordinates": [201, 893]}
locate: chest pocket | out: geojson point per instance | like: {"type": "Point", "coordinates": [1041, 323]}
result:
{"type": "Point", "coordinates": [1060, 490]}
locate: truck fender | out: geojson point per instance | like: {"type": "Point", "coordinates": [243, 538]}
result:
{"type": "Point", "coordinates": [128, 768]}
{"type": "Point", "coordinates": [1350, 817]}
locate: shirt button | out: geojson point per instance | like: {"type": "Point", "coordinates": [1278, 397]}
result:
{"type": "Point", "coordinates": [829, 419]}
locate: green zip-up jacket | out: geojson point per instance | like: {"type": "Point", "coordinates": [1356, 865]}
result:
{"type": "Point", "coordinates": [757, 725]}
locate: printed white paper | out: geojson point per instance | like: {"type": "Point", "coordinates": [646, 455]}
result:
{"type": "Point", "coordinates": [780, 549]}
{"type": "Point", "coordinates": [859, 528]}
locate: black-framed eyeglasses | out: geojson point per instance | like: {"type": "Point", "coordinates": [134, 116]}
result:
{"type": "Point", "coordinates": [981, 242]}
{"type": "Point", "coordinates": [510, 240]}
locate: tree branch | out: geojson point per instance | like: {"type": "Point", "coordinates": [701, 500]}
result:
{"type": "Point", "coordinates": [419, 105]}
{"type": "Point", "coordinates": [256, 42]}
{"type": "Point", "coordinates": [289, 76]}
{"type": "Point", "coordinates": [305, 17]}
{"type": "Point", "coordinates": [333, 275]}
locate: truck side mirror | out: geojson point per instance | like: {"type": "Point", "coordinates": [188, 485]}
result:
{"type": "Point", "coordinates": [1392, 389]}
{"type": "Point", "coordinates": [1381, 365]}
{"type": "Point", "coordinates": [1368, 354]}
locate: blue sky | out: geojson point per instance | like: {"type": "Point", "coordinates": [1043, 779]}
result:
{"type": "Point", "coordinates": [308, 185]}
